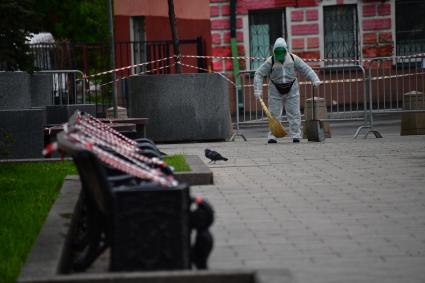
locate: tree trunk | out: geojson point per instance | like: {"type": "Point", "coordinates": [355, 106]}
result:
{"type": "Point", "coordinates": [176, 45]}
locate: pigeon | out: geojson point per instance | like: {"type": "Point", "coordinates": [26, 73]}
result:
{"type": "Point", "coordinates": [213, 156]}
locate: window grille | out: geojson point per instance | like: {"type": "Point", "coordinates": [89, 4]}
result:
{"type": "Point", "coordinates": [341, 32]}
{"type": "Point", "coordinates": [265, 26]}
{"type": "Point", "coordinates": [410, 27]}
{"type": "Point", "coordinates": [260, 43]}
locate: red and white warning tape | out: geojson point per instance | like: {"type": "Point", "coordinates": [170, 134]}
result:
{"type": "Point", "coordinates": [127, 67]}
{"type": "Point", "coordinates": [202, 69]}
{"type": "Point", "coordinates": [177, 60]}
{"type": "Point", "coordinates": [94, 135]}
{"type": "Point", "coordinates": [103, 132]}
{"type": "Point", "coordinates": [120, 163]}
{"type": "Point", "coordinates": [134, 75]}
{"type": "Point", "coordinates": [264, 58]}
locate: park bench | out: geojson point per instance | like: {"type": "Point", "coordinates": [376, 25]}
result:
{"type": "Point", "coordinates": [140, 123]}
{"type": "Point", "coordinates": [135, 208]}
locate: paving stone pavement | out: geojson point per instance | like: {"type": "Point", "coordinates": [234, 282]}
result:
{"type": "Point", "coordinates": [339, 211]}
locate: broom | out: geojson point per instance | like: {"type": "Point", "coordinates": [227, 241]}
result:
{"type": "Point", "coordinates": [274, 125]}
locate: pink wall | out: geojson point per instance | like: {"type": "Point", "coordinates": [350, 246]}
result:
{"type": "Point", "coordinates": [184, 9]}
{"type": "Point", "coordinates": [303, 26]}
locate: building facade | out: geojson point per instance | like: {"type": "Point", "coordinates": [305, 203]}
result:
{"type": "Point", "coordinates": [334, 29]}
{"type": "Point", "coordinates": [142, 29]}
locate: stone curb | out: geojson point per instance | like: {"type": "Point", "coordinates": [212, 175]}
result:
{"type": "Point", "coordinates": [47, 251]}
{"type": "Point", "coordinates": [200, 174]}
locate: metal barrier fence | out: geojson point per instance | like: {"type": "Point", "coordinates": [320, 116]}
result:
{"type": "Point", "coordinates": [352, 90]}
{"type": "Point", "coordinates": [74, 87]}
{"type": "Point", "coordinates": [68, 86]}
{"type": "Point", "coordinates": [343, 95]}
{"type": "Point", "coordinates": [343, 91]}
{"type": "Point", "coordinates": [393, 81]}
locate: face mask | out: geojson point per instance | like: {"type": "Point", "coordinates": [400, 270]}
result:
{"type": "Point", "coordinates": [279, 54]}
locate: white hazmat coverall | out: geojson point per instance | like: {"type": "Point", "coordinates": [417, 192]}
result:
{"type": "Point", "coordinates": [284, 73]}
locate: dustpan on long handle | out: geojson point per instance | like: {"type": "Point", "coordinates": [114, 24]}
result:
{"type": "Point", "coordinates": [275, 126]}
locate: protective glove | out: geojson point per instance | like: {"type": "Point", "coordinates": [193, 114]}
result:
{"type": "Point", "coordinates": [258, 93]}
{"type": "Point", "coordinates": [317, 83]}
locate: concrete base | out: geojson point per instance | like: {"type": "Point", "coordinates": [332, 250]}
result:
{"type": "Point", "coordinates": [412, 123]}
{"type": "Point", "coordinates": [326, 126]}
{"type": "Point", "coordinates": [21, 133]}
{"type": "Point", "coordinates": [320, 112]}
{"type": "Point", "coordinates": [59, 114]}
{"type": "Point", "coordinates": [183, 107]}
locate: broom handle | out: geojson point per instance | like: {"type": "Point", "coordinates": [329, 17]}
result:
{"type": "Point", "coordinates": [263, 105]}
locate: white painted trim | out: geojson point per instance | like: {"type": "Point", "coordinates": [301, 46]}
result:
{"type": "Point", "coordinates": [328, 3]}
{"type": "Point", "coordinates": [333, 2]}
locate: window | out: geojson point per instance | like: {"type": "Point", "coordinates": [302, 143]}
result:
{"type": "Point", "coordinates": [138, 42]}
{"type": "Point", "coordinates": [410, 27]}
{"type": "Point", "coordinates": [264, 27]}
{"type": "Point", "coordinates": [341, 32]}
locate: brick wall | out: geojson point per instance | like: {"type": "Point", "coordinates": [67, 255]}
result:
{"type": "Point", "coordinates": [377, 27]}
{"type": "Point", "coordinates": [303, 31]}
{"type": "Point", "coordinates": [220, 34]}
{"type": "Point", "coordinates": [220, 25]}
{"type": "Point", "coordinates": [303, 26]}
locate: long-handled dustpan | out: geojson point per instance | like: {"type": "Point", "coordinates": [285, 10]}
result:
{"type": "Point", "coordinates": [314, 129]}
{"type": "Point", "coordinates": [274, 125]}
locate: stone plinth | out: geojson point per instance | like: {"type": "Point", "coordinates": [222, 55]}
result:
{"type": "Point", "coordinates": [15, 89]}
{"type": "Point", "coordinates": [21, 133]}
{"type": "Point", "coordinates": [413, 123]}
{"type": "Point", "coordinates": [320, 112]}
{"type": "Point", "coordinates": [41, 90]}
{"type": "Point", "coordinates": [182, 107]}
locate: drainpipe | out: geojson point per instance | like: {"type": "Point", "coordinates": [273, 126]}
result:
{"type": "Point", "coordinates": [234, 48]}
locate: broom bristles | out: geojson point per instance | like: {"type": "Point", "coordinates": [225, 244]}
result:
{"type": "Point", "coordinates": [274, 125]}
{"type": "Point", "coordinates": [276, 128]}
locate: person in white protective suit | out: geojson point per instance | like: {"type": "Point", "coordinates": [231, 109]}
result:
{"type": "Point", "coordinates": [283, 86]}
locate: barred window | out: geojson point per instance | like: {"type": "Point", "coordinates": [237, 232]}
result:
{"type": "Point", "coordinates": [410, 27]}
{"type": "Point", "coordinates": [265, 26]}
{"type": "Point", "coordinates": [341, 32]}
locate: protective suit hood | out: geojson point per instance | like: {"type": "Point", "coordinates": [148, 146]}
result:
{"type": "Point", "coordinates": [280, 42]}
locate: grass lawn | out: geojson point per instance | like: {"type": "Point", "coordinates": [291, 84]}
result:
{"type": "Point", "coordinates": [27, 191]}
{"type": "Point", "coordinates": [178, 162]}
